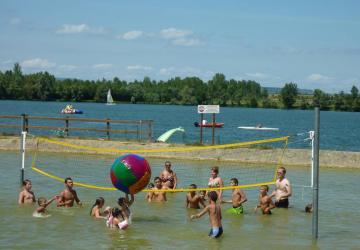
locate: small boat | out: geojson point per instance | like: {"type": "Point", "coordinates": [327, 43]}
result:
{"type": "Point", "coordinates": [165, 136]}
{"type": "Point", "coordinates": [258, 128]}
{"type": "Point", "coordinates": [209, 124]}
{"type": "Point", "coordinates": [109, 100]}
{"type": "Point", "coordinates": [69, 109]}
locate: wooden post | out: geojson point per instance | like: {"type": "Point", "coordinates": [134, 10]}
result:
{"type": "Point", "coordinates": [67, 125]}
{"type": "Point", "coordinates": [213, 129]}
{"type": "Point", "coordinates": [201, 128]}
{"type": "Point", "coordinates": [108, 128]}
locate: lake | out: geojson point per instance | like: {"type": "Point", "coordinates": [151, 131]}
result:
{"type": "Point", "coordinates": [167, 226]}
{"type": "Point", "coordinates": [339, 130]}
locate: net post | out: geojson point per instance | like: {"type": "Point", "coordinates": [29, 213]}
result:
{"type": "Point", "coordinates": [312, 157]}
{"type": "Point", "coordinates": [315, 219]}
{"type": "Point", "coordinates": [22, 149]}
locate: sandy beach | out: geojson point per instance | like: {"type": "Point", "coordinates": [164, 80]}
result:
{"type": "Point", "coordinates": [292, 157]}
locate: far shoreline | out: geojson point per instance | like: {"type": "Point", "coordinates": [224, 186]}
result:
{"type": "Point", "coordinates": [292, 157]}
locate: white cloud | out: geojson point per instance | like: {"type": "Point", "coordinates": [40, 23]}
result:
{"type": "Point", "coordinates": [166, 71]}
{"type": "Point", "coordinates": [139, 67]}
{"type": "Point", "coordinates": [257, 75]}
{"type": "Point", "coordinates": [102, 66]}
{"type": "Point", "coordinates": [65, 67]}
{"type": "Point", "coordinates": [131, 35]}
{"type": "Point", "coordinates": [81, 28]}
{"type": "Point", "coordinates": [319, 78]}
{"type": "Point", "coordinates": [37, 63]}
{"type": "Point", "coordinates": [15, 21]}
{"type": "Point", "coordinates": [187, 42]}
{"type": "Point", "coordinates": [172, 33]}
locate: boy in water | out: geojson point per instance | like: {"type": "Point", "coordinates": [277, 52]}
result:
{"type": "Point", "coordinates": [203, 195]}
{"type": "Point", "coordinates": [265, 201]}
{"type": "Point", "coordinates": [214, 211]}
{"type": "Point", "coordinates": [238, 198]}
{"type": "Point", "coordinates": [149, 187]}
{"type": "Point", "coordinates": [43, 204]}
{"type": "Point", "coordinates": [69, 195]}
{"type": "Point", "coordinates": [157, 195]}
{"type": "Point", "coordinates": [26, 195]}
{"type": "Point", "coordinates": [192, 199]}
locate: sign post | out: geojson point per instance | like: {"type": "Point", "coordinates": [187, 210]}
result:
{"type": "Point", "coordinates": [208, 109]}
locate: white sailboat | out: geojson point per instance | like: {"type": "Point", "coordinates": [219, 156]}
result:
{"type": "Point", "coordinates": [110, 100]}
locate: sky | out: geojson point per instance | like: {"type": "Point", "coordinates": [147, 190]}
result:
{"type": "Point", "coordinates": [315, 44]}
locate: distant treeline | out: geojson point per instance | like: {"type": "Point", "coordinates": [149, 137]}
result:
{"type": "Point", "coordinates": [14, 85]}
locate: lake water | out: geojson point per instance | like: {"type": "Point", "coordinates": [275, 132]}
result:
{"type": "Point", "coordinates": [339, 130]}
{"type": "Point", "coordinates": [167, 226]}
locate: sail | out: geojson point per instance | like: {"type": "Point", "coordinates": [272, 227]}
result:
{"type": "Point", "coordinates": [110, 100]}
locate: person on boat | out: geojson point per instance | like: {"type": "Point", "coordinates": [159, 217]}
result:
{"type": "Point", "coordinates": [282, 190]}
{"type": "Point", "coordinates": [168, 176]}
{"type": "Point", "coordinates": [259, 125]}
{"type": "Point", "coordinates": [216, 182]}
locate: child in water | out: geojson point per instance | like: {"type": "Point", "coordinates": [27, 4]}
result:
{"type": "Point", "coordinates": [193, 200]}
{"type": "Point", "coordinates": [114, 222]}
{"type": "Point", "coordinates": [214, 211]}
{"type": "Point", "coordinates": [43, 204]}
{"type": "Point", "coordinates": [96, 209]}
{"type": "Point", "coordinates": [265, 201]}
{"type": "Point", "coordinates": [124, 206]}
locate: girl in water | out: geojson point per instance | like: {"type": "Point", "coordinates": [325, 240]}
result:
{"type": "Point", "coordinates": [26, 195]}
{"type": "Point", "coordinates": [96, 209]}
{"type": "Point", "coordinates": [215, 181]}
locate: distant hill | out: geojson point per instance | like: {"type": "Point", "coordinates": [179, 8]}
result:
{"type": "Point", "coordinates": [274, 90]}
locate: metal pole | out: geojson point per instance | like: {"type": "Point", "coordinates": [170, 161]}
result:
{"type": "Point", "coordinates": [22, 149]}
{"type": "Point", "coordinates": [201, 128]}
{"type": "Point", "coordinates": [213, 129]}
{"type": "Point", "coordinates": [315, 219]}
{"type": "Point", "coordinates": [312, 157]}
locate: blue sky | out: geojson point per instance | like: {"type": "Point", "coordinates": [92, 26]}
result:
{"type": "Point", "coordinates": [315, 44]}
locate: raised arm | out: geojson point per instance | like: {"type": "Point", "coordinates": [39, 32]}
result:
{"type": "Point", "coordinates": [131, 201]}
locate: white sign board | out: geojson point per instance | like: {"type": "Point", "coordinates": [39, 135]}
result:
{"type": "Point", "coordinates": [208, 109]}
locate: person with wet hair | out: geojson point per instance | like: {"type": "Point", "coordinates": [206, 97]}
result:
{"type": "Point", "coordinates": [26, 195]}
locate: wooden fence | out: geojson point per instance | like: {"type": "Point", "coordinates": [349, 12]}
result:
{"type": "Point", "coordinates": [141, 129]}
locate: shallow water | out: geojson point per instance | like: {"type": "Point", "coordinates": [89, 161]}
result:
{"type": "Point", "coordinates": [167, 226]}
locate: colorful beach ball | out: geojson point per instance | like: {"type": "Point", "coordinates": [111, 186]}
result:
{"type": "Point", "coordinates": [130, 173]}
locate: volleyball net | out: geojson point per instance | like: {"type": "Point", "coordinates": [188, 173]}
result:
{"type": "Point", "coordinates": [88, 162]}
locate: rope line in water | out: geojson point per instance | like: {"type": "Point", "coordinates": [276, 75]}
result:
{"type": "Point", "coordinates": [79, 184]}
{"type": "Point", "coordinates": [161, 150]}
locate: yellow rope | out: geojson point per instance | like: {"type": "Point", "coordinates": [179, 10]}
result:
{"type": "Point", "coordinates": [79, 184]}
{"type": "Point", "coordinates": [160, 150]}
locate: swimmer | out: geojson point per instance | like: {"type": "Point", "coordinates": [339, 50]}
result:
{"type": "Point", "coordinates": [124, 206]}
{"type": "Point", "coordinates": [238, 198]}
{"type": "Point", "coordinates": [283, 189]}
{"type": "Point", "coordinates": [96, 209]}
{"type": "Point", "coordinates": [202, 195]}
{"type": "Point", "coordinates": [158, 194]}
{"type": "Point", "coordinates": [215, 181]}
{"type": "Point", "coordinates": [114, 222]}
{"type": "Point", "coordinates": [26, 195]}
{"type": "Point", "coordinates": [265, 201]}
{"type": "Point", "coordinates": [309, 208]}
{"type": "Point", "coordinates": [168, 176]}
{"type": "Point", "coordinates": [69, 195]}
{"type": "Point", "coordinates": [149, 187]}
{"type": "Point", "coordinates": [214, 211]}
{"type": "Point", "coordinates": [43, 204]}
{"type": "Point", "coordinates": [192, 199]}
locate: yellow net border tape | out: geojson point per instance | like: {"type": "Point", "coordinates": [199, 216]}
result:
{"type": "Point", "coordinates": [160, 150]}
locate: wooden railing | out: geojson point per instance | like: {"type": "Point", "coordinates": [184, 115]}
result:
{"type": "Point", "coordinates": [142, 129]}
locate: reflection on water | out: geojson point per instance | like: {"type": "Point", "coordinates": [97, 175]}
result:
{"type": "Point", "coordinates": [167, 226]}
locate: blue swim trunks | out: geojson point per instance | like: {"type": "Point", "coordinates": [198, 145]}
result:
{"type": "Point", "coordinates": [215, 232]}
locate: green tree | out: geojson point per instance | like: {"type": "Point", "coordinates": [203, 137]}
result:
{"type": "Point", "coordinates": [288, 94]}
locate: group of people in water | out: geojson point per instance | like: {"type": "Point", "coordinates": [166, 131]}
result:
{"type": "Point", "coordinates": [210, 200]}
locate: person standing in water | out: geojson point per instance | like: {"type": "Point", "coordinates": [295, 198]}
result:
{"type": "Point", "coordinates": [168, 176]}
{"type": "Point", "coordinates": [215, 181]}
{"type": "Point", "coordinates": [69, 195]}
{"type": "Point", "coordinates": [214, 211]}
{"type": "Point", "coordinates": [282, 190]}
{"type": "Point", "coordinates": [26, 195]}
